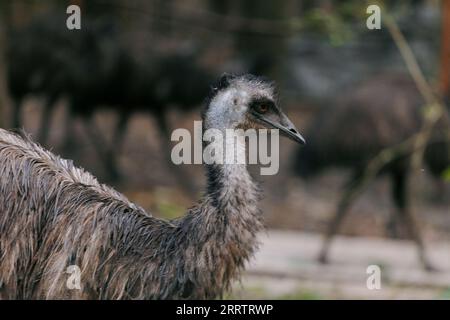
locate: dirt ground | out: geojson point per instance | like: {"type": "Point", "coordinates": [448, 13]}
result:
{"type": "Point", "coordinates": [286, 267]}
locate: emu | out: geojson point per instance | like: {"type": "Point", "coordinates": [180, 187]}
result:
{"type": "Point", "coordinates": [379, 113]}
{"type": "Point", "coordinates": [54, 215]}
{"type": "Point", "coordinates": [93, 70]}
{"type": "Point", "coordinates": [155, 87]}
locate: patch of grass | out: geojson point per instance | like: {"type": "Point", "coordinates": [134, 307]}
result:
{"type": "Point", "coordinates": [254, 292]}
{"type": "Point", "coordinates": [445, 295]}
{"type": "Point", "coordinates": [168, 204]}
{"type": "Point", "coordinates": [301, 294]}
{"type": "Point", "coordinates": [168, 210]}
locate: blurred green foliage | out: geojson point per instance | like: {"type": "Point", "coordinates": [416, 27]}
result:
{"type": "Point", "coordinates": [169, 210]}
{"type": "Point", "coordinates": [336, 23]}
{"type": "Point", "coordinates": [446, 174]}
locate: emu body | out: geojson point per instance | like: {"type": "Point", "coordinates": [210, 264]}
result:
{"type": "Point", "coordinates": [92, 69]}
{"type": "Point", "coordinates": [379, 113]}
{"type": "Point", "coordinates": [54, 215]}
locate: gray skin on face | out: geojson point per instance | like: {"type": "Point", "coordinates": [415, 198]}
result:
{"type": "Point", "coordinates": [246, 102]}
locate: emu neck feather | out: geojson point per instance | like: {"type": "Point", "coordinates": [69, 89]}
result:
{"type": "Point", "coordinates": [224, 227]}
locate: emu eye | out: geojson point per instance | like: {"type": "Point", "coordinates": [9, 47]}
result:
{"type": "Point", "coordinates": [262, 108]}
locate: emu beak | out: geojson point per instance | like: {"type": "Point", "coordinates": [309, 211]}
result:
{"type": "Point", "coordinates": [286, 127]}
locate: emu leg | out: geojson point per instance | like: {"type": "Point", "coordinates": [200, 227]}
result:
{"type": "Point", "coordinates": [399, 194]}
{"type": "Point", "coordinates": [183, 179]}
{"type": "Point", "coordinates": [46, 120]}
{"type": "Point", "coordinates": [441, 193]}
{"type": "Point", "coordinates": [104, 150]}
{"type": "Point", "coordinates": [350, 193]}
{"type": "Point", "coordinates": [392, 227]}
{"type": "Point", "coordinates": [16, 123]}
{"type": "Point", "coordinates": [114, 150]}
{"type": "Point", "coordinates": [68, 147]}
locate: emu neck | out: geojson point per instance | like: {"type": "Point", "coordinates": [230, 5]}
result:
{"type": "Point", "coordinates": [223, 227]}
{"type": "Point", "coordinates": [230, 186]}
{"type": "Point", "coordinates": [233, 200]}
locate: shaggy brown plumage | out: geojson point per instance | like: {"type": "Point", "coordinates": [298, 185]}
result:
{"type": "Point", "coordinates": [53, 215]}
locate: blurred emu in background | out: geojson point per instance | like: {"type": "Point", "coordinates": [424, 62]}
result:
{"type": "Point", "coordinates": [380, 113]}
{"type": "Point", "coordinates": [93, 69]}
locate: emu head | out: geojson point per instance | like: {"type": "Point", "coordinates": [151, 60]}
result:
{"type": "Point", "coordinates": [247, 102]}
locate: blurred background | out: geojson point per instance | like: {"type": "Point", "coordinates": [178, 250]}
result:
{"type": "Point", "coordinates": [109, 95]}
